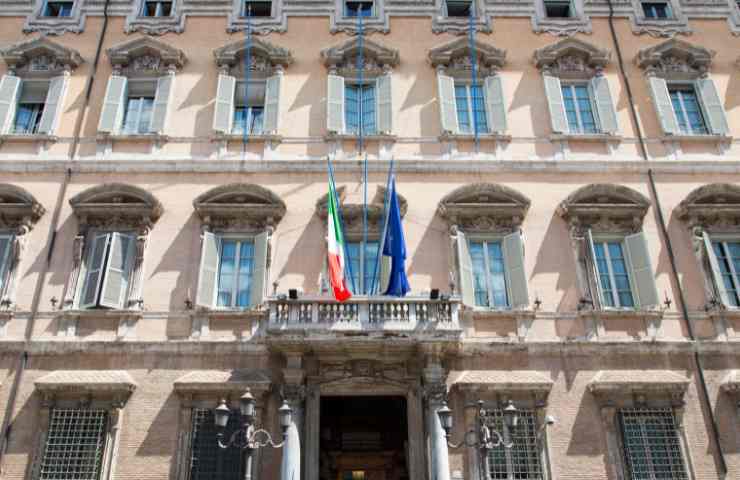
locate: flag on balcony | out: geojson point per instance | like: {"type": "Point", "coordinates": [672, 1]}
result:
{"type": "Point", "coordinates": [394, 246]}
{"type": "Point", "coordinates": [336, 247]}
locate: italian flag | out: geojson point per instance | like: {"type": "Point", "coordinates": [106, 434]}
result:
{"type": "Point", "coordinates": [336, 248]}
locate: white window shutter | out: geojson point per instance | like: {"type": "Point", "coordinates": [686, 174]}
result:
{"type": "Point", "coordinates": [447, 105]}
{"type": "Point", "coordinates": [663, 106]}
{"type": "Point", "coordinates": [386, 263]}
{"type": "Point", "coordinates": [117, 271]}
{"type": "Point", "coordinates": [335, 104]}
{"type": "Point", "coordinates": [465, 271]}
{"type": "Point", "coordinates": [272, 104]}
{"type": "Point", "coordinates": [556, 104]}
{"type": "Point", "coordinates": [384, 106]}
{"type": "Point", "coordinates": [713, 109]}
{"type": "Point", "coordinates": [5, 259]}
{"type": "Point", "coordinates": [208, 273]}
{"type": "Point", "coordinates": [165, 86]}
{"type": "Point", "coordinates": [719, 284]}
{"type": "Point", "coordinates": [593, 270]}
{"type": "Point", "coordinates": [53, 104]}
{"type": "Point", "coordinates": [10, 90]}
{"type": "Point", "coordinates": [513, 250]}
{"type": "Point", "coordinates": [93, 272]}
{"type": "Point", "coordinates": [495, 105]}
{"type": "Point", "coordinates": [608, 122]}
{"type": "Point", "coordinates": [259, 270]}
{"type": "Point", "coordinates": [114, 105]}
{"type": "Point", "coordinates": [644, 290]}
{"type": "Point", "coordinates": [223, 115]}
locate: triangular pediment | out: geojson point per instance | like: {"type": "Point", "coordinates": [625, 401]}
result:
{"type": "Point", "coordinates": [458, 52]}
{"type": "Point", "coordinates": [240, 204]}
{"type": "Point", "coordinates": [346, 53]}
{"type": "Point", "coordinates": [146, 53]}
{"type": "Point", "coordinates": [571, 55]}
{"type": "Point", "coordinates": [41, 55]}
{"type": "Point", "coordinates": [675, 56]}
{"type": "Point", "coordinates": [262, 52]}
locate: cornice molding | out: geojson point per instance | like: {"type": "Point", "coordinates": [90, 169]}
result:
{"type": "Point", "coordinates": [145, 55]}
{"type": "Point", "coordinates": [484, 207]}
{"type": "Point", "coordinates": [377, 57]}
{"type": "Point", "coordinates": [675, 58]}
{"type": "Point", "coordinates": [605, 207]}
{"type": "Point", "coordinates": [454, 56]}
{"type": "Point", "coordinates": [239, 205]}
{"type": "Point", "coordinates": [116, 205]}
{"type": "Point", "coordinates": [40, 55]}
{"type": "Point", "coordinates": [714, 207]}
{"type": "Point", "coordinates": [266, 57]}
{"type": "Point", "coordinates": [19, 210]}
{"type": "Point", "coordinates": [571, 56]}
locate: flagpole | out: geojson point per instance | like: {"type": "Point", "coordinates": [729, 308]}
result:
{"type": "Point", "coordinates": [386, 202]}
{"type": "Point", "coordinates": [474, 75]}
{"type": "Point", "coordinates": [247, 65]}
{"type": "Point", "coordinates": [364, 223]}
{"type": "Point", "coordinates": [360, 72]}
{"type": "Point", "coordinates": [341, 222]}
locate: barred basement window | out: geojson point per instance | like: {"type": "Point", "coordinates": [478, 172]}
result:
{"type": "Point", "coordinates": [207, 460]}
{"type": "Point", "coordinates": [74, 445]}
{"type": "Point", "coordinates": [522, 461]}
{"type": "Point", "coordinates": [652, 449]}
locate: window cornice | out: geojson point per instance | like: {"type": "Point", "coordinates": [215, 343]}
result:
{"type": "Point", "coordinates": [342, 58]}
{"type": "Point", "coordinates": [675, 59]}
{"type": "Point", "coordinates": [571, 57]}
{"type": "Point", "coordinates": [614, 387]}
{"type": "Point", "coordinates": [40, 56]}
{"type": "Point", "coordinates": [223, 383]}
{"type": "Point", "coordinates": [454, 57]}
{"type": "Point", "coordinates": [266, 58]}
{"type": "Point", "coordinates": [239, 206]}
{"type": "Point", "coordinates": [605, 208]}
{"type": "Point", "coordinates": [145, 56]}
{"type": "Point", "coordinates": [714, 208]}
{"type": "Point", "coordinates": [352, 213]}
{"type": "Point", "coordinates": [19, 210]}
{"type": "Point", "coordinates": [87, 382]}
{"type": "Point", "coordinates": [116, 206]}
{"type": "Point", "coordinates": [503, 381]}
{"type": "Point", "coordinates": [484, 208]}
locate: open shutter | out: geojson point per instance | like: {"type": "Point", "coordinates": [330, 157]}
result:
{"type": "Point", "coordinates": [10, 89]}
{"type": "Point", "coordinates": [495, 105]}
{"type": "Point", "coordinates": [592, 270]}
{"type": "Point", "coordinates": [384, 107]}
{"type": "Point", "coordinates": [53, 104]}
{"type": "Point", "coordinates": [259, 272]}
{"type": "Point", "coordinates": [272, 104]}
{"type": "Point", "coordinates": [663, 106]}
{"type": "Point", "coordinates": [465, 271]}
{"type": "Point", "coordinates": [386, 263]}
{"type": "Point", "coordinates": [5, 259]}
{"type": "Point", "coordinates": [117, 271]}
{"type": "Point", "coordinates": [208, 272]}
{"type": "Point", "coordinates": [223, 115]}
{"type": "Point", "coordinates": [555, 104]}
{"type": "Point", "coordinates": [447, 105]}
{"type": "Point", "coordinates": [93, 273]}
{"type": "Point", "coordinates": [513, 251]}
{"type": "Point", "coordinates": [644, 289]}
{"type": "Point", "coordinates": [162, 98]}
{"type": "Point", "coordinates": [604, 105]}
{"type": "Point", "coordinates": [713, 109]}
{"type": "Point", "coordinates": [719, 284]}
{"type": "Point", "coordinates": [335, 104]}
{"type": "Point", "coordinates": [114, 105]}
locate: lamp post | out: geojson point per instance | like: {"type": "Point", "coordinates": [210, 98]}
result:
{"type": "Point", "coordinates": [248, 437]}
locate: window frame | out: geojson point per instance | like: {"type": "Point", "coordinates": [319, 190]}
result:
{"type": "Point", "coordinates": [572, 84]}
{"type": "Point", "coordinates": [469, 85]}
{"type": "Point", "coordinates": [361, 274]}
{"type": "Point", "coordinates": [538, 449]}
{"type": "Point", "coordinates": [723, 237]}
{"type": "Point", "coordinates": [136, 21]}
{"type": "Point", "coordinates": [368, 83]}
{"type": "Point", "coordinates": [6, 260]}
{"type": "Point", "coordinates": [37, 21]}
{"type": "Point", "coordinates": [45, 8]}
{"type": "Point", "coordinates": [669, 12]}
{"type": "Point", "coordinates": [141, 102]}
{"type": "Point", "coordinates": [604, 239]}
{"type": "Point", "coordinates": [239, 238]}
{"type": "Point", "coordinates": [145, 4]}
{"type": "Point", "coordinates": [659, 27]}
{"type": "Point", "coordinates": [244, 9]}
{"type": "Point", "coordinates": [36, 112]}
{"type": "Point", "coordinates": [485, 240]}
{"type": "Point", "coordinates": [577, 22]}
{"type": "Point", "coordinates": [82, 274]}
{"type": "Point", "coordinates": [688, 85]}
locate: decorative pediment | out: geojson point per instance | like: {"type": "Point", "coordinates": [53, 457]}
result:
{"type": "Point", "coordinates": [239, 205]}
{"type": "Point", "coordinates": [604, 207]}
{"type": "Point", "coordinates": [224, 383]}
{"type": "Point", "coordinates": [82, 382]}
{"type": "Point", "coordinates": [573, 57]}
{"type": "Point", "coordinates": [145, 55]}
{"type": "Point", "coordinates": [484, 207]}
{"type": "Point", "coordinates": [377, 58]}
{"type": "Point", "coordinates": [714, 207]}
{"type": "Point", "coordinates": [675, 58]}
{"type": "Point", "coordinates": [455, 56]}
{"type": "Point", "coordinates": [40, 56]}
{"type": "Point", "coordinates": [265, 58]}
{"type": "Point", "coordinates": [116, 205]}
{"type": "Point", "coordinates": [505, 381]}
{"type": "Point", "coordinates": [19, 210]}
{"type": "Point", "coordinates": [612, 386]}
{"type": "Point", "coordinates": [353, 213]}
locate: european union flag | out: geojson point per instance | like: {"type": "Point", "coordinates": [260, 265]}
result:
{"type": "Point", "coordinates": [395, 247]}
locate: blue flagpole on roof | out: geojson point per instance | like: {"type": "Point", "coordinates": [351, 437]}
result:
{"type": "Point", "coordinates": [474, 75]}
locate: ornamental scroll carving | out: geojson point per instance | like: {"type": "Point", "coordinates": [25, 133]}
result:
{"type": "Point", "coordinates": [40, 57]}
{"type": "Point", "coordinates": [342, 59]}
{"type": "Point", "coordinates": [239, 207]}
{"type": "Point", "coordinates": [484, 208]}
{"type": "Point", "coordinates": [675, 59]}
{"type": "Point", "coordinates": [265, 58]}
{"type": "Point", "coordinates": [572, 58]}
{"type": "Point", "coordinates": [454, 57]}
{"type": "Point", "coordinates": [145, 56]}
{"type": "Point", "coordinates": [604, 208]}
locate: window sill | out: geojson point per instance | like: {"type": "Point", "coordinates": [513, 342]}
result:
{"type": "Point", "coordinates": [585, 137]}
{"type": "Point", "coordinates": [100, 312]}
{"type": "Point", "coordinates": [213, 312]}
{"type": "Point", "coordinates": [697, 138]}
{"type": "Point", "coordinates": [28, 138]}
{"type": "Point", "coordinates": [490, 313]}
{"type": "Point", "coordinates": [333, 137]}
{"type": "Point", "coordinates": [234, 137]}
{"type": "Point", "coordinates": [621, 314]}
{"type": "Point", "coordinates": [463, 137]}
{"type": "Point", "coordinates": [134, 137]}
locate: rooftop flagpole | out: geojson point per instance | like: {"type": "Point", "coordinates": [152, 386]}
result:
{"type": "Point", "coordinates": [474, 76]}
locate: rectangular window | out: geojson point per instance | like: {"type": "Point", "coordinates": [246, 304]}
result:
{"type": "Point", "coordinates": [471, 109]}
{"type": "Point", "coordinates": [236, 264]}
{"type": "Point", "coordinates": [652, 449]}
{"type": "Point", "coordinates": [558, 9]}
{"type": "Point", "coordinates": [6, 247]}
{"type": "Point", "coordinates": [207, 460]}
{"type": "Point", "coordinates": [458, 8]}
{"type": "Point", "coordinates": [657, 10]}
{"type": "Point", "coordinates": [58, 8]}
{"type": "Point", "coordinates": [108, 263]}
{"type": "Point", "coordinates": [579, 108]}
{"type": "Point", "coordinates": [489, 274]}
{"type": "Point", "coordinates": [359, 9]}
{"type": "Point", "coordinates": [257, 8]}
{"type": "Point", "coordinates": [359, 108]}
{"type": "Point", "coordinates": [728, 258]}
{"type": "Point", "coordinates": [138, 115]}
{"type": "Point", "coordinates": [156, 9]}
{"type": "Point", "coordinates": [614, 279]}
{"type": "Point", "coordinates": [28, 118]}
{"type": "Point", "coordinates": [249, 108]}
{"type": "Point", "coordinates": [522, 461]}
{"type": "Point", "coordinates": [75, 444]}
{"type": "Point", "coordinates": [362, 265]}
{"type": "Point", "coordinates": [686, 107]}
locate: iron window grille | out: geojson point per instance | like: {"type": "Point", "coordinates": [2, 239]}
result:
{"type": "Point", "coordinates": [522, 461]}
{"type": "Point", "coordinates": [75, 444]}
{"type": "Point", "coordinates": [652, 448]}
{"type": "Point", "coordinates": [688, 111]}
{"type": "Point", "coordinates": [207, 460]}
{"type": "Point", "coordinates": [728, 258]}
{"type": "Point", "coordinates": [613, 276]}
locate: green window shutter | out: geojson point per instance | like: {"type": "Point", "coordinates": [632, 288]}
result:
{"type": "Point", "coordinates": [513, 251]}
{"type": "Point", "coordinates": [92, 274]}
{"type": "Point", "coordinates": [223, 114]}
{"type": "Point", "coordinates": [272, 104]}
{"type": "Point", "coordinates": [555, 104]}
{"type": "Point", "coordinates": [114, 105]}
{"type": "Point", "coordinates": [466, 283]}
{"type": "Point", "coordinates": [495, 104]}
{"type": "Point", "coordinates": [335, 104]}
{"type": "Point", "coordinates": [53, 104]}
{"type": "Point", "coordinates": [644, 289]}
{"type": "Point", "coordinates": [385, 273]}
{"type": "Point", "coordinates": [663, 106]}
{"type": "Point", "coordinates": [5, 259]}
{"type": "Point", "coordinates": [117, 270]}
{"type": "Point", "coordinates": [208, 272]}
{"type": "Point", "coordinates": [384, 107]}
{"type": "Point", "coordinates": [592, 270]}
{"type": "Point", "coordinates": [608, 122]}
{"type": "Point", "coordinates": [259, 271]}
{"type": "Point", "coordinates": [719, 284]}
{"type": "Point", "coordinates": [10, 90]}
{"type": "Point", "coordinates": [712, 105]}
{"type": "Point", "coordinates": [165, 86]}
{"type": "Point", "coordinates": [447, 105]}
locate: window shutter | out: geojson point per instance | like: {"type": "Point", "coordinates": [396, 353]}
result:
{"type": "Point", "coordinates": [207, 276]}
{"type": "Point", "coordinates": [495, 105]}
{"type": "Point", "coordinates": [335, 104]}
{"type": "Point", "coordinates": [447, 106]}
{"type": "Point", "coordinates": [10, 89]}
{"type": "Point", "coordinates": [259, 271]}
{"type": "Point", "coordinates": [5, 260]}
{"type": "Point", "coordinates": [604, 105]}
{"type": "Point", "coordinates": [93, 273]}
{"type": "Point", "coordinates": [592, 269]}
{"type": "Point", "coordinates": [53, 104]}
{"type": "Point", "coordinates": [272, 104]}
{"type": "Point", "coordinates": [384, 107]}
{"type": "Point", "coordinates": [513, 250]}
{"type": "Point", "coordinates": [712, 105]}
{"type": "Point", "coordinates": [638, 256]}
{"type": "Point", "coordinates": [385, 273]}
{"type": "Point", "coordinates": [114, 105]}
{"type": "Point", "coordinates": [223, 115]}
{"type": "Point", "coordinates": [162, 98]}
{"type": "Point", "coordinates": [555, 104]}
{"type": "Point", "coordinates": [117, 271]}
{"type": "Point", "coordinates": [719, 284]}
{"type": "Point", "coordinates": [663, 106]}
{"type": "Point", "coordinates": [465, 271]}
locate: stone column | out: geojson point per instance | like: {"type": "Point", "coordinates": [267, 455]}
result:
{"type": "Point", "coordinates": [313, 422]}
{"type": "Point", "coordinates": [435, 390]}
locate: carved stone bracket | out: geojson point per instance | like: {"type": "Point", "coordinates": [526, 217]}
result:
{"type": "Point", "coordinates": [341, 59]}
{"type": "Point", "coordinates": [731, 387]}
{"type": "Point", "coordinates": [40, 57]}
{"type": "Point", "coordinates": [484, 208]}
{"type": "Point", "coordinates": [454, 57]}
{"type": "Point", "coordinates": [352, 213]}
{"type": "Point", "coordinates": [145, 56]}
{"type": "Point", "coordinates": [266, 58]}
{"type": "Point", "coordinates": [675, 59]}
{"type": "Point", "coordinates": [571, 57]}
{"type": "Point", "coordinates": [239, 206]}
{"type": "Point", "coordinates": [604, 208]}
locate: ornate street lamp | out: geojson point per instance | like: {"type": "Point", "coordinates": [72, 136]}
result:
{"type": "Point", "coordinates": [248, 437]}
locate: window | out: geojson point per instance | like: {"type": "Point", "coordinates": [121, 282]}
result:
{"type": "Point", "coordinates": [687, 110]}
{"type": "Point", "coordinates": [614, 280]}
{"type": "Point", "coordinates": [353, 107]}
{"type": "Point", "coordinates": [657, 10]}
{"type": "Point", "coordinates": [28, 118]}
{"type": "Point", "coordinates": [58, 8]}
{"type": "Point", "coordinates": [107, 270]}
{"type": "Point", "coordinates": [236, 262]}
{"type": "Point", "coordinates": [558, 9]}
{"type": "Point", "coordinates": [489, 274]}
{"type": "Point", "coordinates": [6, 247]}
{"type": "Point", "coordinates": [522, 461]}
{"type": "Point", "coordinates": [35, 105]}
{"type": "Point", "coordinates": [579, 108]}
{"type": "Point", "coordinates": [458, 8]}
{"type": "Point", "coordinates": [359, 108]}
{"type": "Point", "coordinates": [138, 115]}
{"type": "Point", "coordinates": [363, 267]}
{"type": "Point", "coordinates": [207, 460]}
{"type": "Point", "coordinates": [135, 106]}
{"type": "Point", "coordinates": [471, 108]}
{"type": "Point", "coordinates": [257, 8]}
{"type": "Point", "coordinates": [358, 9]}
{"type": "Point", "coordinates": [652, 448]}
{"type": "Point", "coordinates": [728, 260]}
{"type": "Point", "coordinates": [247, 107]}
{"type": "Point", "coordinates": [156, 9]}
{"type": "Point", "coordinates": [466, 107]}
